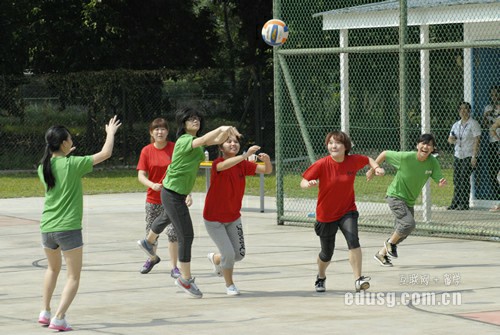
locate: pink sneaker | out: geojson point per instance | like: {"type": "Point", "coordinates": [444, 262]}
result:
{"type": "Point", "coordinates": [59, 324]}
{"type": "Point", "coordinates": [44, 318]}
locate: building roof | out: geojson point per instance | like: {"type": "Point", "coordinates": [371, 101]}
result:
{"type": "Point", "coordinates": [386, 13]}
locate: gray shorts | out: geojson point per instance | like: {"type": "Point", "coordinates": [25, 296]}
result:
{"type": "Point", "coordinates": [404, 222]}
{"type": "Point", "coordinates": [67, 240]}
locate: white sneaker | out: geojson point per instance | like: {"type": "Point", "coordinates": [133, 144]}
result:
{"type": "Point", "coordinates": [362, 283]}
{"type": "Point", "coordinates": [44, 318]}
{"type": "Point", "coordinates": [59, 324]}
{"type": "Point", "coordinates": [216, 268]}
{"type": "Point", "coordinates": [232, 290]}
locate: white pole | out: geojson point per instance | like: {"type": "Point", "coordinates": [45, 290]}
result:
{"type": "Point", "coordinates": [344, 82]}
{"type": "Point", "coordinates": [425, 113]}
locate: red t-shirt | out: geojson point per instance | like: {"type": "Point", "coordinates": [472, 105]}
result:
{"type": "Point", "coordinates": [224, 197]}
{"type": "Point", "coordinates": [336, 185]}
{"type": "Point", "coordinates": [155, 162]}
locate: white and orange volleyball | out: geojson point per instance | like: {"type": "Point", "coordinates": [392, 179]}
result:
{"type": "Point", "coordinates": [275, 32]}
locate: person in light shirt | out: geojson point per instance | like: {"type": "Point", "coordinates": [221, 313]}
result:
{"type": "Point", "coordinates": [464, 135]}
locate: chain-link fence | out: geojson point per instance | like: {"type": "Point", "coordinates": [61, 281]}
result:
{"type": "Point", "coordinates": [84, 102]}
{"type": "Point", "coordinates": [385, 72]}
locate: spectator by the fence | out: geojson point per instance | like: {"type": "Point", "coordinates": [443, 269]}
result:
{"type": "Point", "coordinates": [336, 208]}
{"type": "Point", "coordinates": [61, 223]}
{"type": "Point", "coordinates": [465, 135]}
{"type": "Point", "coordinates": [490, 116]}
{"type": "Point", "coordinates": [495, 133]}
{"type": "Point", "coordinates": [413, 171]}
{"type": "Point", "coordinates": [152, 166]}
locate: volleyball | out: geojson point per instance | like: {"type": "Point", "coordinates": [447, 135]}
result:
{"type": "Point", "coordinates": [275, 32]}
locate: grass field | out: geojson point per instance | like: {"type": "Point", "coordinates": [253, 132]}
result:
{"type": "Point", "coordinates": [16, 185]}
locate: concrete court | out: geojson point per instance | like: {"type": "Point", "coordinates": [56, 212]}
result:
{"type": "Point", "coordinates": [276, 280]}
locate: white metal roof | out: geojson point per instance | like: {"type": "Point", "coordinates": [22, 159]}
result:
{"type": "Point", "coordinates": [420, 12]}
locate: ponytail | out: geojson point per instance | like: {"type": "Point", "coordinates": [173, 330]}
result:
{"type": "Point", "coordinates": [48, 176]}
{"type": "Point", "coordinates": [54, 137]}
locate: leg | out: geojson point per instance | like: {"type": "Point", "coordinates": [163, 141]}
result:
{"type": "Point", "coordinates": [356, 260]}
{"type": "Point", "coordinates": [73, 260]}
{"type": "Point", "coordinates": [54, 259]}
{"type": "Point", "coordinates": [178, 212]}
{"type": "Point", "coordinates": [349, 227]}
{"type": "Point", "coordinates": [226, 257]}
{"type": "Point", "coordinates": [326, 233]}
{"type": "Point", "coordinates": [404, 224]}
{"type": "Point", "coordinates": [172, 245]}
{"type": "Point", "coordinates": [322, 266]}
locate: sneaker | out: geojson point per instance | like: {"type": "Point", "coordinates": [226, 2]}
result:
{"type": "Point", "coordinates": [148, 266]}
{"type": "Point", "coordinates": [59, 324]}
{"type": "Point", "coordinates": [320, 284]}
{"type": "Point", "coordinates": [189, 287]}
{"type": "Point", "coordinates": [232, 290]}
{"type": "Point", "coordinates": [147, 247]}
{"type": "Point", "coordinates": [216, 268]}
{"type": "Point", "coordinates": [44, 318]}
{"type": "Point", "coordinates": [362, 283]}
{"type": "Point", "coordinates": [384, 260]}
{"type": "Point", "coordinates": [175, 273]}
{"type": "Point", "coordinates": [391, 249]}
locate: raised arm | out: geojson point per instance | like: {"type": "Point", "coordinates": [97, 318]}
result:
{"type": "Point", "coordinates": [216, 136]}
{"type": "Point", "coordinates": [268, 166]}
{"type": "Point", "coordinates": [107, 148]}
{"type": "Point", "coordinates": [232, 161]}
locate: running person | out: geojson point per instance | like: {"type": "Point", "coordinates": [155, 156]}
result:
{"type": "Point", "coordinates": [221, 213]}
{"type": "Point", "coordinates": [61, 222]}
{"type": "Point", "coordinates": [178, 183]}
{"type": "Point", "coordinates": [336, 208]}
{"type": "Point", "coordinates": [413, 171]}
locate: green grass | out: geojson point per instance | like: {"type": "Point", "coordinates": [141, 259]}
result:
{"type": "Point", "coordinates": [124, 181]}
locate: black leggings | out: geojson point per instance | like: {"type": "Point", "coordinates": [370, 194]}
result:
{"type": "Point", "coordinates": [178, 213]}
{"type": "Point", "coordinates": [348, 225]}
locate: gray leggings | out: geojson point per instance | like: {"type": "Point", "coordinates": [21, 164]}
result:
{"type": "Point", "coordinates": [228, 238]}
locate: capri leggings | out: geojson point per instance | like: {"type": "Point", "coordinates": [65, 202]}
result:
{"type": "Point", "coordinates": [404, 222]}
{"type": "Point", "coordinates": [229, 239]}
{"type": "Point", "coordinates": [348, 225]}
{"type": "Point", "coordinates": [178, 213]}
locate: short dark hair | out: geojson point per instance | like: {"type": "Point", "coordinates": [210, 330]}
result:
{"type": "Point", "coordinates": [428, 139]}
{"type": "Point", "coordinates": [341, 137]}
{"type": "Point", "coordinates": [467, 104]}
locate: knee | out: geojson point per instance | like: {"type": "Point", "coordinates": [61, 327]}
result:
{"type": "Point", "coordinates": [326, 255]}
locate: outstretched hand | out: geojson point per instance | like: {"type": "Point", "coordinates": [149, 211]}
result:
{"type": "Point", "coordinates": [113, 125]}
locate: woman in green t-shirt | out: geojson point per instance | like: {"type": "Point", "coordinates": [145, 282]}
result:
{"type": "Point", "coordinates": [61, 222]}
{"type": "Point", "coordinates": [413, 171]}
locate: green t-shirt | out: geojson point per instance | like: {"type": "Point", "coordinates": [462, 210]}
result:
{"type": "Point", "coordinates": [63, 208]}
{"type": "Point", "coordinates": [411, 174]}
{"type": "Point", "coordinates": [182, 172]}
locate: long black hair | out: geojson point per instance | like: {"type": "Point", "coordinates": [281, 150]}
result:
{"type": "Point", "coordinates": [185, 113]}
{"type": "Point", "coordinates": [54, 137]}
